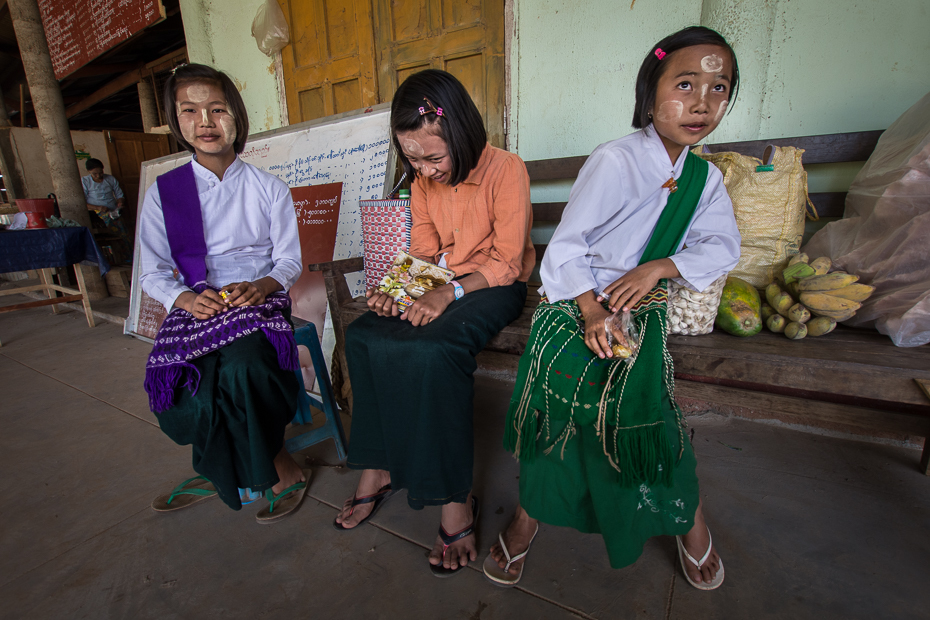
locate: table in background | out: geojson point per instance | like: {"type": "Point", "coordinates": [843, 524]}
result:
{"type": "Point", "coordinates": [46, 249]}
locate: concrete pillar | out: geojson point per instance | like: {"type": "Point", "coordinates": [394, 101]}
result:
{"type": "Point", "coordinates": [747, 26]}
{"type": "Point", "coordinates": [53, 124]}
{"type": "Point", "coordinates": [148, 105]}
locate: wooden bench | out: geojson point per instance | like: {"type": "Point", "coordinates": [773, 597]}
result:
{"type": "Point", "coordinates": [850, 378]}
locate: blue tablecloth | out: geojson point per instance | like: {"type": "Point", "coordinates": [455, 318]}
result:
{"type": "Point", "coordinates": [48, 247]}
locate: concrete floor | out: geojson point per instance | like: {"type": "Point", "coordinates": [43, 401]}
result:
{"type": "Point", "coordinates": [808, 526]}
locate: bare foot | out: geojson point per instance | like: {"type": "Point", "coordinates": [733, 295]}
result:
{"type": "Point", "coordinates": [455, 518]}
{"type": "Point", "coordinates": [371, 482]}
{"type": "Point", "coordinates": [289, 472]}
{"type": "Point", "coordinates": [517, 538]}
{"type": "Point", "coordinates": [696, 542]}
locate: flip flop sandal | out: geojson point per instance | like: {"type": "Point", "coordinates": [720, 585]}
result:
{"type": "Point", "coordinates": [183, 495]}
{"type": "Point", "coordinates": [448, 539]}
{"type": "Point", "coordinates": [502, 576]}
{"type": "Point", "coordinates": [378, 499]}
{"type": "Point", "coordinates": [286, 502]}
{"type": "Point", "coordinates": [683, 553]}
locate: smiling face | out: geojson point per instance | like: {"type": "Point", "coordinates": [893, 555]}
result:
{"type": "Point", "coordinates": [692, 96]}
{"type": "Point", "coordinates": [205, 119]}
{"type": "Point", "coordinates": [427, 153]}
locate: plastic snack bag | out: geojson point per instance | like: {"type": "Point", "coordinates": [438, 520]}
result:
{"type": "Point", "coordinates": [622, 336]}
{"type": "Point", "coordinates": [270, 28]}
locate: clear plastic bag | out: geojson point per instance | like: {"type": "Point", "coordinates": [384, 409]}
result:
{"type": "Point", "coordinates": [622, 336]}
{"type": "Point", "coordinates": [270, 28]}
{"type": "Point", "coordinates": [884, 235]}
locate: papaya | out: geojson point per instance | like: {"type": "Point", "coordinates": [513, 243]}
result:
{"type": "Point", "coordinates": [740, 309]}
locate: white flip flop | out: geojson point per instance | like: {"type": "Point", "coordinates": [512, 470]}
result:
{"type": "Point", "coordinates": [683, 553]}
{"type": "Point", "coordinates": [502, 576]}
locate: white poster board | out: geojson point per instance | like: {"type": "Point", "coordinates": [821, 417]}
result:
{"type": "Point", "coordinates": [352, 148]}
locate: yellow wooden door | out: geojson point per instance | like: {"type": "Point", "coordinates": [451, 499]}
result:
{"type": "Point", "coordinates": [329, 67]}
{"type": "Point", "coordinates": [463, 37]}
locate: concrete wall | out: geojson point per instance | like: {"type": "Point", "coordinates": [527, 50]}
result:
{"type": "Point", "coordinates": [219, 33]}
{"type": "Point", "coordinates": [811, 67]}
{"type": "Point", "coordinates": [32, 165]}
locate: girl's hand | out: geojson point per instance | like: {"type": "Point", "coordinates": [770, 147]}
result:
{"type": "Point", "coordinates": [595, 333]}
{"type": "Point", "coordinates": [244, 294]}
{"type": "Point", "coordinates": [429, 306]}
{"type": "Point", "coordinates": [381, 303]}
{"type": "Point", "coordinates": [627, 290]}
{"type": "Point", "coordinates": [203, 306]}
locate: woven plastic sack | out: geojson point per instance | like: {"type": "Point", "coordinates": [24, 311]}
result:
{"type": "Point", "coordinates": [691, 313]}
{"type": "Point", "coordinates": [386, 228]}
{"type": "Point", "coordinates": [769, 200]}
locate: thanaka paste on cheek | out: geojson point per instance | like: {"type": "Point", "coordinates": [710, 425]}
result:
{"type": "Point", "coordinates": [712, 63]}
{"type": "Point", "coordinates": [228, 126]}
{"type": "Point", "coordinates": [720, 110]}
{"type": "Point", "coordinates": [670, 111]}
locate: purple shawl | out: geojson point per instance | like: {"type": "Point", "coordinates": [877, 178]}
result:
{"type": "Point", "coordinates": [181, 337]}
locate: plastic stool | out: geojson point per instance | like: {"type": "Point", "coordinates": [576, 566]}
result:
{"type": "Point", "coordinates": [307, 337]}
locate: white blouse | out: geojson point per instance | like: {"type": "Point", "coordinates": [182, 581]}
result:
{"type": "Point", "coordinates": [613, 208]}
{"type": "Point", "coordinates": [250, 229]}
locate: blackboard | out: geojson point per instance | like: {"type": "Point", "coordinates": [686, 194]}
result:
{"type": "Point", "coordinates": [79, 31]}
{"type": "Point", "coordinates": [351, 148]}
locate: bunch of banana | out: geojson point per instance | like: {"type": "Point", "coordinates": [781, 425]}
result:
{"type": "Point", "coordinates": [808, 288]}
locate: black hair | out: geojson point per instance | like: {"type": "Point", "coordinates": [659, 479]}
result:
{"type": "Point", "coordinates": [185, 74]}
{"type": "Point", "coordinates": [93, 164]}
{"type": "Point", "coordinates": [647, 82]}
{"type": "Point", "coordinates": [460, 124]}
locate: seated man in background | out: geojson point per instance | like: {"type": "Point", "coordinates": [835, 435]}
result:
{"type": "Point", "coordinates": [104, 199]}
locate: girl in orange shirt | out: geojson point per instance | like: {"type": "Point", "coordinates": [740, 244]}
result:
{"type": "Point", "coordinates": [412, 373]}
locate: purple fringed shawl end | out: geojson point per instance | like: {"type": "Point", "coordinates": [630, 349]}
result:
{"type": "Point", "coordinates": [286, 346]}
{"type": "Point", "coordinates": [161, 382]}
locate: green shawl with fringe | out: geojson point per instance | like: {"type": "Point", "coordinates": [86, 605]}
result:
{"type": "Point", "coordinates": [561, 384]}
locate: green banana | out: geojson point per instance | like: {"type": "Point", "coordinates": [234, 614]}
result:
{"type": "Point", "coordinates": [795, 330]}
{"type": "Point", "coordinates": [820, 326]}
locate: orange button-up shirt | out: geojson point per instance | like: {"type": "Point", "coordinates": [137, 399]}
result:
{"type": "Point", "coordinates": [481, 225]}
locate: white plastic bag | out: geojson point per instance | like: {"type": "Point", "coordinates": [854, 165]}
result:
{"type": "Point", "coordinates": [270, 28]}
{"type": "Point", "coordinates": [884, 236]}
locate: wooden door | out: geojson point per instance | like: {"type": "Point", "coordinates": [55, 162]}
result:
{"type": "Point", "coordinates": [463, 37]}
{"type": "Point", "coordinates": [350, 54]}
{"type": "Point", "coordinates": [127, 150]}
{"type": "Point", "coordinates": [329, 67]}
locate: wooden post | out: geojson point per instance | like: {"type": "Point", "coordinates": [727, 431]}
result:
{"type": "Point", "coordinates": [50, 114]}
{"type": "Point", "coordinates": [22, 105]}
{"type": "Point", "coordinates": [148, 105]}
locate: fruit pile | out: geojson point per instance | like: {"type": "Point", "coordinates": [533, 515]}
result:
{"type": "Point", "coordinates": [810, 300]}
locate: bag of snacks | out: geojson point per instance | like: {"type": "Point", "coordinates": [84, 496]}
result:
{"type": "Point", "coordinates": [622, 336]}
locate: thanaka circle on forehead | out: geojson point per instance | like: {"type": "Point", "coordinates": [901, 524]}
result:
{"type": "Point", "coordinates": [413, 147]}
{"type": "Point", "coordinates": [712, 63]}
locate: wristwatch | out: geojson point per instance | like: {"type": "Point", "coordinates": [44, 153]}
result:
{"type": "Point", "coordinates": [459, 291]}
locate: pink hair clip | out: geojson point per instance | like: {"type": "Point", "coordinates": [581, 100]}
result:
{"type": "Point", "coordinates": [432, 109]}
{"type": "Point", "coordinates": [659, 53]}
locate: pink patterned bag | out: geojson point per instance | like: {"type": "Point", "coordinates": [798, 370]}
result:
{"type": "Point", "coordinates": [386, 228]}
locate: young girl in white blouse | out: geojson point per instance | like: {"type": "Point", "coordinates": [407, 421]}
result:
{"type": "Point", "coordinates": [601, 442]}
{"type": "Point", "coordinates": [219, 249]}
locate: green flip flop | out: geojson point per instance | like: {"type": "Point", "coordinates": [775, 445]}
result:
{"type": "Point", "coordinates": [185, 494]}
{"type": "Point", "coordinates": [286, 502]}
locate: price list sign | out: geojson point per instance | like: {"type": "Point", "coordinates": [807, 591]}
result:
{"type": "Point", "coordinates": [78, 32]}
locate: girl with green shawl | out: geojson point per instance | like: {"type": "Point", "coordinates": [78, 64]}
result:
{"type": "Point", "coordinates": [601, 442]}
